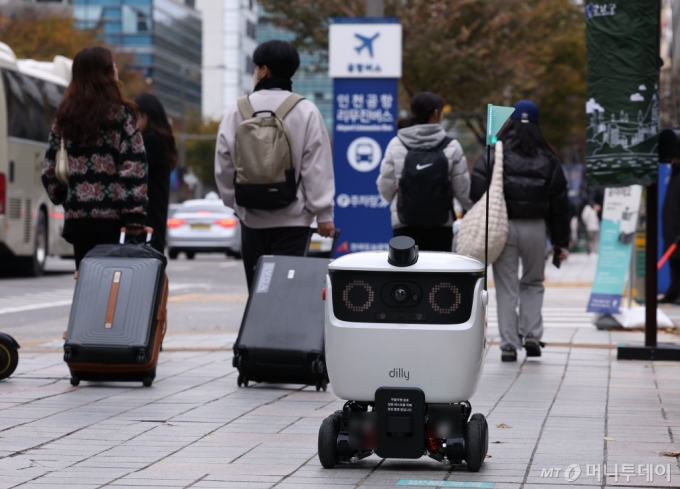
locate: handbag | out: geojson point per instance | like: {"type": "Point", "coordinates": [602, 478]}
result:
{"type": "Point", "coordinates": [470, 239]}
{"type": "Point", "coordinates": [61, 169]}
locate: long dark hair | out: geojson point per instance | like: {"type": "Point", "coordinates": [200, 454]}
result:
{"type": "Point", "coordinates": [423, 105]}
{"type": "Point", "coordinates": [150, 106]}
{"type": "Point", "coordinates": [525, 138]}
{"type": "Point", "coordinates": [93, 99]}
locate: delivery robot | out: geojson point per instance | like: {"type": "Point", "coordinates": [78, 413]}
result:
{"type": "Point", "coordinates": [405, 336]}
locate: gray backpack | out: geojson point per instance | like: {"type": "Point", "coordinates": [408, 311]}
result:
{"type": "Point", "coordinates": [265, 174]}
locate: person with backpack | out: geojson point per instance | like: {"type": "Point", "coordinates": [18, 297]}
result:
{"type": "Point", "coordinates": [273, 162]}
{"type": "Point", "coordinates": [95, 164]}
{"type": "Point", "coordinates": [421, 173]}
{"type": "Point", "coordinates": [537, 202]}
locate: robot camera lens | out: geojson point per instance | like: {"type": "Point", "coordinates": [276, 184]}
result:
{"type": "Point", "coordinates": [400, 294]}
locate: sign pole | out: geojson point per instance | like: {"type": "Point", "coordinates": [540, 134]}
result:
{"type": "Point", "coordinates": [650, 265]}
{"type": "Point", "coordinates": [486, 234]}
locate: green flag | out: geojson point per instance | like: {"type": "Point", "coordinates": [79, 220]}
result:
{"type": "Point", "coordinates": [496, 117]}
{"type": "Point", "coordinates": [623, 92]}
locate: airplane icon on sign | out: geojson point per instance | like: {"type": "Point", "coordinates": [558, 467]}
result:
{"type": "Point", "coordinates": [366, 42]}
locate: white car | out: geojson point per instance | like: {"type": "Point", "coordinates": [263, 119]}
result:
{"type": "Point", "coordinates": [205, 226]}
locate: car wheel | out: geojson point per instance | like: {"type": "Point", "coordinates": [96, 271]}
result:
{"type": "Point", "coordinates": [190, 255]}
{"type": "Point", "coordinates": [173, 253]}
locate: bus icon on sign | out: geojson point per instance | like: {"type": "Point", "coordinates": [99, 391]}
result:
{"type": "Point", "coordinates": [364, 154]}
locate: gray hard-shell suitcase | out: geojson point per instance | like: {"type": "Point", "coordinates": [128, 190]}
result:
{"type": "Point", "coordinates": [118, 315]}
{"type": "Point", "coordinates": [281, 339]}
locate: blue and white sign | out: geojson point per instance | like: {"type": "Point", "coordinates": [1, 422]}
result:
{"type": "Point", "coordinates": [364, 50]}
{"type": "Point", "coordinates": [617, 236]}
{"type": "Point", "coordinates": [365, 60]}
{"type": "Point", "coordinates": [360, 138]}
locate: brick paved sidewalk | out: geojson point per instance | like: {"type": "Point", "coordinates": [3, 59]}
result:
{"type": "Point", "coordinates": [195, 428]}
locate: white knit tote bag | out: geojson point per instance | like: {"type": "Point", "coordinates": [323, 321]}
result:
{"type": "Point", "coordinates": [470, 238]}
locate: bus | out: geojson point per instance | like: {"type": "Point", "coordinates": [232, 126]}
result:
{"type": "Point", "coordinates": [30, 225]}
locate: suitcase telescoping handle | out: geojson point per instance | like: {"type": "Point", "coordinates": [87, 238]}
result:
{"type": "Point", "coordinates": [336, 236]}
{"type": "Point", "coordinates": [146, 229]}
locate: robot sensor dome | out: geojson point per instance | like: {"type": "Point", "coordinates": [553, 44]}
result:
{"type": "Point", "coordinates": [403, 252]}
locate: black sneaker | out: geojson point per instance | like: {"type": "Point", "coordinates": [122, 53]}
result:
{"type": "Point", "coordinates": [508, 354]}
{"type": "Point", "coordinates": [532, 346]}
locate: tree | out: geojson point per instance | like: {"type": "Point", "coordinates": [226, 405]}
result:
{"type": "Point", "coordinates": [35, 35]}
{"type": "Point", "coordinates": [474, 52]}
{"type": "Point", "coordinates": [200, 154]}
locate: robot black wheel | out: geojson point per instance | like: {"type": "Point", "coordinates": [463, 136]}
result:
{"type": "Point", "coordinates": [328, 441]}
{"type": "Point", "coordinates": [477, 442]}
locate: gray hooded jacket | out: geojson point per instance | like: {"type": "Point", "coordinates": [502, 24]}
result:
{"type": "Point", "coordinates": [422, 136]}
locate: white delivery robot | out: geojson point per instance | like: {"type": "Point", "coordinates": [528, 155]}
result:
{"type": "Point", "coordinates": [404, 344]}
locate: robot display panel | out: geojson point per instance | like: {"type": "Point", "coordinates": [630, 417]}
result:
{"type": "Point", "coordinates": [379, 297]}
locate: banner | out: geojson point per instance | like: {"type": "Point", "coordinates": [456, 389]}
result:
{"type": "Point", "coordinates": [365, 63]}
{"type": "Point", "coordinates": [365, 115]}
{"type": "Point", "coordinates": [623, 92]}
{"type": "Point", "coordinates": [617, 235]}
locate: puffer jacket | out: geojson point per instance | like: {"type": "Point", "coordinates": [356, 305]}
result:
{"type": "Point", "coordinates": [422, 136]}
{"type": "Point", "coordinates": [534, 187]}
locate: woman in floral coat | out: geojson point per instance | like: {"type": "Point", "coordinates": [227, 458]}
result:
{"type": "Point", "coordinates": [107, 187]}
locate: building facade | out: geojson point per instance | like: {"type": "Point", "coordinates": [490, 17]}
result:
{"type": "Point", "coordinates": [165, 38]}
{"type": "Point", "coordinates": [311, 80]}
{"type": "Point", "coordinates": [229, 39]}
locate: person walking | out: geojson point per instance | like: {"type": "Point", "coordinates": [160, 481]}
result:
{"type": "Point", "coordinates": [537, 201]}
{"type": "Point", "coordinates": [107, 181]}
{"type": "Point", "coordinates": [670, 226]}
{"type": "Point", "coordinates": [421, 173]}
{"type": "Point", "coordinates": [277, 174]}
{"type": "Point", "coordinates": [161, 154]}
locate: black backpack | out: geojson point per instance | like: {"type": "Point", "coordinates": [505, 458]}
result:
{"type": "Point", "coordinates": [425, 194]}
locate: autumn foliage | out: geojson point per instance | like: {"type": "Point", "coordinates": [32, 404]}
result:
{"type": "Point", "coordinates": [474, 52]}
{"type": "Point", "coordinates": [34, 35]}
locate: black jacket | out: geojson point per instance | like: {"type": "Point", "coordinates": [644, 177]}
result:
{"type": "Point", "coordinates": [534, 187]}
{"type": "Point", "coordinates": [159, 188]}
{"type": "Point", "coordinates": [670, 215]}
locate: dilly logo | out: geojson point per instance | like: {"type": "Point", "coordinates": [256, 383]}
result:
{"type": "Point", "coordinates": [400, 373]}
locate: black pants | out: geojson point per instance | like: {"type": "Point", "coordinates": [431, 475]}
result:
{"type": "Point", "coordinates": [673, 292]}
{"type": "Point", "coordinates": [429, 239]}
{"type": "Point", "coordinates": [289, 241]}
{"type": "Point", "coordinates": [84, 242]}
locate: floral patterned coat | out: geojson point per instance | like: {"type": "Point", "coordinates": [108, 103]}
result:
{"type": "Point", "coordinates": [107, 180]}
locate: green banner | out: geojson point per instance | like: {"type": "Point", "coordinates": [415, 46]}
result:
{"type": "Point", "coordinates": [623, 92]}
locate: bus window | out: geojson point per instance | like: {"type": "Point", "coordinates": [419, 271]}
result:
{"type": "Point", "coordinates": [17, 116]}
{"type": "Point", "coordinates": [54, 94]}
{"type": "Point", "coordinates": [34, 97]}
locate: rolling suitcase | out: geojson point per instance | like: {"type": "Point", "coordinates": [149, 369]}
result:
{"type": "Point", "coordinates": [281, 339]}
{"type": "Point", "coordinates": [119, 314]}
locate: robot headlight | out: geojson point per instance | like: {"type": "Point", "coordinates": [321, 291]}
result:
{"type": "Point", "coordinates": [445, 298]}
{"type": "Point", "coordinates": [358, 296]}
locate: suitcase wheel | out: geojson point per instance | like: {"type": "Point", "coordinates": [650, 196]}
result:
{"type": "Point", "coordinates": [68, 356]}
{"type": "Point", "coordinates": [148, 380]}
{"type": "Point", "coordinates": [318, 366]}
{"type": "Point", "coordinates": [242, 380]}
{"type": "Point", "coordinates": [321, 385]}
{"type": "Point", "coordinates": [141, 357]}
{"type": "Point", "coordinates": [75, 381]}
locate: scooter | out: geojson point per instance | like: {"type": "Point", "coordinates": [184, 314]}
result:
{"type": "Point", "coordinates": [9, 355]}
